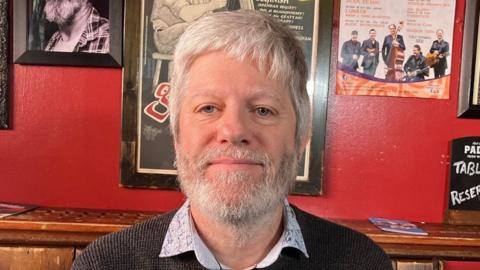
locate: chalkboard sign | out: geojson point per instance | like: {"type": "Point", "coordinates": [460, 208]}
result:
{"type": "Point", "coordinates": [464, 192]}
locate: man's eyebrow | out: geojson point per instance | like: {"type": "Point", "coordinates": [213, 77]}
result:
{"type": "Point", "coordinates": [264, 94]}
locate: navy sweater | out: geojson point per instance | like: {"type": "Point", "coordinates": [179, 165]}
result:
{"type": "Point", "coordinates": [330, 246]}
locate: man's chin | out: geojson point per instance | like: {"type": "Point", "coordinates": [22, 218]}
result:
{"type": "Point", "coordinates": [235, 205]}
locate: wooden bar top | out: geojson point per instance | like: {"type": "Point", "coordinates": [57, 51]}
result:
{"type": "Point", "coordinates": [74, 220]}
{"type": "Point", "coordinates": [79, 227]}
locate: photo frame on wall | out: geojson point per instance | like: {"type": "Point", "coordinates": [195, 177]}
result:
{"type": "Point", "coordinates": [42, 36]}
{"type": "Point", "coordinates": [469, 96]}
{"type": "Point", "coordinates": [4, 74]}
{"type": "Point", "coordinates": [147, 154]}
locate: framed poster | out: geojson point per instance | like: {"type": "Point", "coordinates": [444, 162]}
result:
{"type": "Point", "coordinates": [4, 64]}
{"type": "Point", "coordinates": [468, 96]}
{"type": "Point", "coordinates": [395, 48]}
{"type": "Point", "coordinates": [68, 33]}
{"type": "Point", "coordinates": [151, 32]}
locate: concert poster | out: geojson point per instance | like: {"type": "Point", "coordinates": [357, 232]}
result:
{"type": "Point", "coordinates": [395, 48]}
{"type": "Point", "coordinates": [160, 32]}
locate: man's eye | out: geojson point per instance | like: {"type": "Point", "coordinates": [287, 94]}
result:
{"type": "Point", "coordinates": [262, 111]}
{"type": "Point", "coordinates": [208, 109]}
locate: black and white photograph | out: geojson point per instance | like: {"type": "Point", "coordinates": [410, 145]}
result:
{"type": "Point", "coordinates": [87, 32]}
{"type": "Point", "coordinates": [69, 26]}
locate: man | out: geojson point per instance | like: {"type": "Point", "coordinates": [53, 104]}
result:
{"type": "Point", "coordinates": [170, 19]}
{"type": "Point", "coordinates": [441, 50]}
{"type": "Point", "coordinates": [370, 52]}
{"type": "Point", "coordinates": [240, 118]}
{"type": "Point", "coordinates": [351, 50]}
{"type": "Point", "coordinates": [393, 40]}
{"type": "Point", "coordinates": [415, 67]}
{"type": "Point", "coordinates": [80, 27]}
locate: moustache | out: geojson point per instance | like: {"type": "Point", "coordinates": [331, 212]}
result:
{"type": "Point", "coordinates": [234, 152]}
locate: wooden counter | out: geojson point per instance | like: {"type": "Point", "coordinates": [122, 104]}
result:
{"type": "Point", "coordinates": [49, 238]}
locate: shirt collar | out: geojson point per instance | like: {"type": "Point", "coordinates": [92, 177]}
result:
{"type": "Point", "coordinates": [91, 29]}
{"type": "Point", "coordinates": [182, 237]}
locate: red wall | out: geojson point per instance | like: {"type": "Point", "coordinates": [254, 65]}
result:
{"type": "Point", "coordinates": [384, 156]}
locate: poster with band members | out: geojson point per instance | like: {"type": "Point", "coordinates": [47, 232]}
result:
{"type": "Point", "coordinates": [395, 48]}
{"type": "Point", "coordinates": [161, 27]}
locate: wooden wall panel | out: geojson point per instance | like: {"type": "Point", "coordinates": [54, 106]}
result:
{"type": "Point", "coordinates": [417, 265]}
{"type": "Point", "coordinates": [36, 258]}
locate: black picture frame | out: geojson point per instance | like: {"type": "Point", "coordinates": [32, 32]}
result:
{"type": "Point", "coordinates": [22, 11]}
{"type": "Point", "coordinates": [469, 90]}
{"type": "Point", "coordinates": [4, 67]}
{"type": "Point", "coordinates": [132, 176]}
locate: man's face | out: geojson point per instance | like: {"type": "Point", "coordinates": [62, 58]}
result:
{"type": "Point", "coordinates": [440, 35]}
{"type": "Point", "coordinates": [354, 37]}
{"type": "Point", "coordinates": [415, 51]}
{"type": "Point", "coordinates": [392, 29]}
{"type": "Point", "coordinates": [235, 148]}
{"type": "Point", "coordinates": [62, 11]}
{"type": "Point", "coordinates": [373, 35]}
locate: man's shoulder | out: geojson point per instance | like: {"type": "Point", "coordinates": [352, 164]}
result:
{"type": "Point", "coordinates": [142, 242]}
{"type": "Point", "coordinates": [337, 244]}
{"type": "Point", "coordinates": [318, 227]}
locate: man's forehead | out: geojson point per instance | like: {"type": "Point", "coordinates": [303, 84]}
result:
{"type": "Point", "coordinates": [250, 93]}
{"type": "Point", "coordinates": [213, 67]}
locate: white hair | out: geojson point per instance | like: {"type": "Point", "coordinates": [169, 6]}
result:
{"type": "Point", "coordinates": [251, 35]}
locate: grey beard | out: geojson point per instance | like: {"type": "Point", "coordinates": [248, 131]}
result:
{"type": "Point", "coordinates": [255, 199]}
{"type": "Point", "coordinates": [62, 12]}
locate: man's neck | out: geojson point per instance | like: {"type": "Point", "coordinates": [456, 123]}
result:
{"type": "Point", "coordinates": [243, 246]}
{"type": "Point", "coordinates": [75, 27]}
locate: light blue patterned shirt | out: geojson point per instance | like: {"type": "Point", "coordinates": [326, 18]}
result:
{"type": "Point", "coordinates": [182, 237]}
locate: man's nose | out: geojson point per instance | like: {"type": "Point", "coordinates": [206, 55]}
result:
{"type": "Point", "coordinates": [235, 127]}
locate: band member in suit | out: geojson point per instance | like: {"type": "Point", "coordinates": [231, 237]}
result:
{"type": "Point", "coordinates": [415, 67]}
{"type": "Point", "coordinates": [392, 40]}
{"type": "Point", "coordinates": [441, 50]}
{"type": "Point", "coordinates": [370, 52]}
{"type": "Point", "coordinates": [351, 51]}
